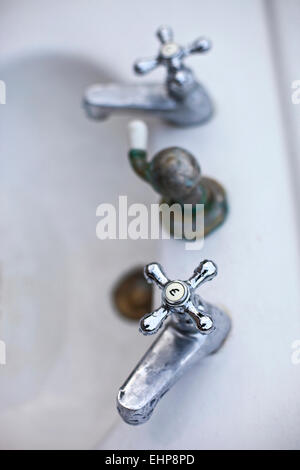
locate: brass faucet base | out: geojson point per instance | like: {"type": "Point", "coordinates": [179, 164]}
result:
{"type": "Point", "coordinates": [215, 212]}
{"type": "Point", "coordinates": [132, 295]}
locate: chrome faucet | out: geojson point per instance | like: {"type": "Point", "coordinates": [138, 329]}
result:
{"type": "Point", "coordinates": [195, 330]}
{"type": "Point", "coordinates": [181, 101]}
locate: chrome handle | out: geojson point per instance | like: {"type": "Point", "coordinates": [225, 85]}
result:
{"type": "Point", "coordinates": [178, 298]}
{"type": "Point", "coordinates": [170, 53]}
{"type": "Point", "coordinates": [198, 46]}
{"type": "Point", "coordinates": [165, 34]}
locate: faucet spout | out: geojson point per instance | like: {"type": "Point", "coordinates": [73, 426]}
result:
{"type": "Point", "coordinates": [177, 348]}
{"type": "Point", "coordinates": [104, 99]}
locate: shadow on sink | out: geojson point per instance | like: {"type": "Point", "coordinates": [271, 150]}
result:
{"type": "Point", "coordinates": [57, 320]}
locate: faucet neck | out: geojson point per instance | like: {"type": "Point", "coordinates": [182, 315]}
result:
{"type": "Point", "coordinates": [138, 160]}
{"type": "Point", "coordinates": [180, 82]}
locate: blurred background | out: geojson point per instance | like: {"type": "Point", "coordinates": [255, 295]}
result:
{"type": "Point", "coordinates": [67, 349]}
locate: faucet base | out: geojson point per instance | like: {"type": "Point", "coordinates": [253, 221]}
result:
{"type": "Point", "coordinates": [178, 347]}
{"type": "Point", "coordinates": [195, 109]}
{"type": "Point", "coordinates": [215, 213]}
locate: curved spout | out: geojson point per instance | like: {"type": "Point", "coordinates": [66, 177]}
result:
{"type": "Point", "coordinates": [176, 349]}
{"type": "Point", "coordinates": [138, 160]}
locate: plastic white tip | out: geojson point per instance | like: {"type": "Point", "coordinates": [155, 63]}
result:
{"type": "Point", "coordinates": [138, 135]}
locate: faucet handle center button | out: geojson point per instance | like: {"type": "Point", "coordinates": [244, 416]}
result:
{"type": "Point", "coordinates": [169, 50]}
{"type": "Point", "coordinates": [175, 292]}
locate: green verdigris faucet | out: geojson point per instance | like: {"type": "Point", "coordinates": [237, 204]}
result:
{"type": "Point", "coordinates": [176, 175]}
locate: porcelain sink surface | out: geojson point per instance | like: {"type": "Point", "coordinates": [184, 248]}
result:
{"type": "Point", "coordinates": [67, 349]}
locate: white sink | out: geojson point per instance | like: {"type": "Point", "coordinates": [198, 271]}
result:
{"type": "Point", "coordinates": [67, 350]}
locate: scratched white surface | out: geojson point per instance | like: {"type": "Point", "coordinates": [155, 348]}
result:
{"type": "Point", "coordinates": [67, 352]}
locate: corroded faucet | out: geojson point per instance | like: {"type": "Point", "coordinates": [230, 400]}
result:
{"type": "Point", "coordinates": [175, 174]}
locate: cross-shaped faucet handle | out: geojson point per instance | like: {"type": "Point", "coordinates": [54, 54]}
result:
{"type": "Point", "coordinates": [177, 297]}
{"type": "Point", "coordinates": [170, 53]}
